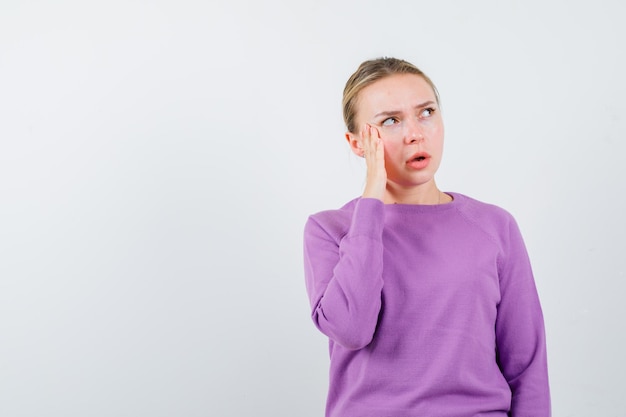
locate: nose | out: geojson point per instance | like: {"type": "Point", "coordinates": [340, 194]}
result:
{"type": "Point", "coordinates": [414, 132]}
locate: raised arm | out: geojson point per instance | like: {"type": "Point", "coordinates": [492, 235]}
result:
{"type": "Point", "coordinates": [344, 274]}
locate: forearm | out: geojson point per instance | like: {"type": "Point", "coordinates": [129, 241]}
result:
{"type": "Point", "coordinates": [344, 278]}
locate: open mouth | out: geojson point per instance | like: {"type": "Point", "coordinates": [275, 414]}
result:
{"type": "Point", "coordinates": [419, 157]}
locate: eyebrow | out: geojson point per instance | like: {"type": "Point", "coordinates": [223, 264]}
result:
{"type": "Point", "coordinates": [395, 112]}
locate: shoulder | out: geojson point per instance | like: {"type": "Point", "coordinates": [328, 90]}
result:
{"type": "Point", "coordinates": [335, 222]}
{"type": "Point", "coordinates": [481, 209]}
{"type": "Point", "coordinates": [492, 219]}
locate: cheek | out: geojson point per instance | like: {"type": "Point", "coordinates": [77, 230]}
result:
{"type": "Point", "coordinates": [436, 134]}
{"type": "Point", "coordinates": [438, 128]}
{"type": "Point", "coordinates": [392, 150]}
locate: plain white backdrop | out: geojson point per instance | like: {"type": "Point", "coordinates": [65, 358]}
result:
{"type": "Point", "coordinates": [158, 161]}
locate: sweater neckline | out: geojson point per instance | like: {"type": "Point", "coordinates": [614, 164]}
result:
{"type": "Point", "coordinates": [457, 200]}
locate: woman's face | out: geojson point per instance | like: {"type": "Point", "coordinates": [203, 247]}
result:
{"type": "Point", "coordinates": [404, 110]}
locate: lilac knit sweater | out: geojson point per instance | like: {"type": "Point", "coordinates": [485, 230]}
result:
{"type": "Point", "coordinates": [431, 311]}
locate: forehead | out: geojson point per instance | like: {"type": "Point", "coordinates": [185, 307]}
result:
{"type": "Point", "coordinates": [395, 92]}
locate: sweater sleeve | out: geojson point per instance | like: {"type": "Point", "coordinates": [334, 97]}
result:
{"type": "Point", "coordinates": [344, 275]}
{"type": "Point", "coordinates": [520, 333]}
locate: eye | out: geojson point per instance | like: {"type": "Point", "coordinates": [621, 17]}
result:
{"type": "Point", "coordinates": [427, 112]}
{"type": "Point", "coordinates": [389, 121]}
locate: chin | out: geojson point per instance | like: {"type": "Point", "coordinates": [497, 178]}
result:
{"type": "Point", "coordinates": [412, 182]}
{"type": "Point", "coordinates": [421, 178]}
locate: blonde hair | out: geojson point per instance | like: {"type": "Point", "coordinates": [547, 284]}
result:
{"type": "Point", "coordinates": [368, 73]}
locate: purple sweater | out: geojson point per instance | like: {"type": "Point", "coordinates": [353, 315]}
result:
{"type": "Point", "coordinates": [431, 311]}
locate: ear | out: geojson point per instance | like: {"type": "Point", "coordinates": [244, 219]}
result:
{"type": "Point", "coordinates": [355, 143]}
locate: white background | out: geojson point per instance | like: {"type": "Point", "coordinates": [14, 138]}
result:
{"type": "Point", "coordinates": [158, 161]}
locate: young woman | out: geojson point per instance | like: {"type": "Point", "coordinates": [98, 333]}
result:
{"type": "Point", "coordinates": [427, 298]}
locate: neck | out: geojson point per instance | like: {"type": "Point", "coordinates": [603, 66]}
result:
{"type": "Point", "coordinates": [425, 194]}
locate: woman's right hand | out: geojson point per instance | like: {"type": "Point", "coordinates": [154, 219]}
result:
{"type": "Point", "coordinates": [374, 154]}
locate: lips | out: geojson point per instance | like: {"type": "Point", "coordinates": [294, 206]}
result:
{"type": "Point", "coordinates": [419, 160]}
